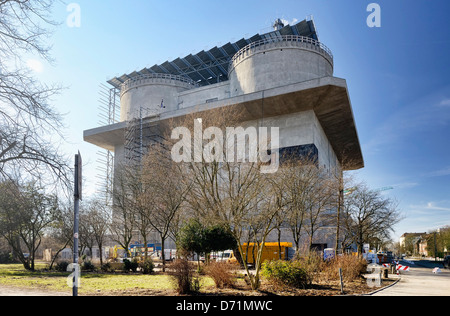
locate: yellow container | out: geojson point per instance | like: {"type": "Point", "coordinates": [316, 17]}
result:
{"type": "Point", "coordinates": [271, 251]}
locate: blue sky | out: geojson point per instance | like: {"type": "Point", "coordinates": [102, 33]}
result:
{"type": "Point", "coordinates": [397, 77]}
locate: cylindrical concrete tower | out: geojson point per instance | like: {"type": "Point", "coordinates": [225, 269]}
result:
{"type": "Point", "coordinates": [278, 61]}
{"type": "Point", "coordinates": [154, 93]}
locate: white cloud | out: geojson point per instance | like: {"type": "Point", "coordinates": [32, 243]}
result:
{"type": "Point", "coordinates": [445, 102]}
{"type": "Point", "coordinates": [438, 173]}
{"type": "Point", "coordinates": [433, 206]}
{"type": "Point", "coordinates": [422, 209]}
{"type": "Point", "coordinates": [35, 65]}
{"type": "Point", "coordinates": [292, 22]}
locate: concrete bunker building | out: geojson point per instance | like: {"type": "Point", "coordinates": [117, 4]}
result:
{"type": "Point", "coordinates": [284, 77]}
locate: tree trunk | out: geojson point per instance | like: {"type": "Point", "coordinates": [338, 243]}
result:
{"type": "Point", "coordinates": [163, 255]}
{"type": "Point", "coordinates": [100, 249]}
{"type": "Point", "coordinates": [279, 245]}
{"type": "Point", "coordinates": [57, 253]}
{"type": "Point", "coordinates": [338, 219]}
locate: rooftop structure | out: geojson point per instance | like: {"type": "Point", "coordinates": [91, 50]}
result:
{"type": "Point", "coordinates": [210, 67]}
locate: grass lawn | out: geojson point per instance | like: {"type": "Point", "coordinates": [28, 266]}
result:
{"type": "Point", "coordinates": [91, 283]}
{"type": "Point", "coordinates": [158, 284]}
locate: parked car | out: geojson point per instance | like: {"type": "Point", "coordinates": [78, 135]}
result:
{"type": "Point", "coordinates": [447, 262]}
{"type": "Point", "coordinates": [222, 256]}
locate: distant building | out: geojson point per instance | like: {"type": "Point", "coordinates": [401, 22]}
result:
{"type": "Point", "coordinates": [409, 242]}
{"type": "Point", "coordinates": [423, 244]}
{"type": "Point", "coordinates": [405, 236]}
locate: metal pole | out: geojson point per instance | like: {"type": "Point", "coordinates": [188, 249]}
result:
{"type": "Point", "coordinates": [77, 197]}
{"type": "Point", "coordinates": [75, 248]}
{"type": "Point", "coordinates": [435, 248]}
{"type": "Point", "coordinates": [338, 219]}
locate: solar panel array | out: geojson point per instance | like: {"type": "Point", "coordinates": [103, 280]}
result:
{"type": "Point", "coordinates": [209, 67]}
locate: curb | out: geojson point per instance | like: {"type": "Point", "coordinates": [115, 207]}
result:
{"type": "Point", "coordinates": [383, 288]}
{"type": "Point", "coordinates": [376, 291]}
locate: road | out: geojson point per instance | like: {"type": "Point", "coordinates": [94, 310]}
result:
{"type": "Point", "coordinates": [420, 281]}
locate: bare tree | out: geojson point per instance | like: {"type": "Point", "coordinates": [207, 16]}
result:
{"type": "Point", "coordinates": [86, 239]}
{"type": "Point", "coordinates": [26, 212]}
{"type": "Point", "coordinates": [122, 219]}
{"type": "Point", "coordinates": [165, 191]}
{"type": "Point", "coordinates": [320, 206]}
{"type": "Point", "coordinates": [340, 179]}
{"type": "Point", "coordinates": [369, 215]}
{"type": "Point", "coordinates": [226, 186]}
{"type": "Point", "coordinates": [26, 116]}
{"type": "Point", "coordinates": [99, 221]}
{"type": "Point", "coordinates": [298, 178]}
{"type": "Point", "coordinates": [61, 230]}
{"type": "Point", "coordinates": [140, 202]}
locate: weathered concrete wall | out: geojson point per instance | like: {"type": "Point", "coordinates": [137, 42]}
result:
{"type": "Point", "coordinates": [149, 94]}
{"type": "Point", "coordinates": [275, 65]}
{"type": "Point", "coordinates": [323, 235]}
{"type": "Point", "coordinates": [203, 95]}
{"type": "Point", "coordinates": [327, 156]}
{"type": "Point", "coordinates": [268, 66]}
{"type": "Point", "coordinates": [295, 129]}
{"type": "Point", "coordinates": [119, 157]}
{"type": "Point", "coordinates": [301, 128]}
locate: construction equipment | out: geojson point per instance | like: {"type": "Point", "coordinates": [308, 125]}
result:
{"type": "Point", "coordinates": [351, 190]}
{"type": "Point", "coordinates": [383, 189]}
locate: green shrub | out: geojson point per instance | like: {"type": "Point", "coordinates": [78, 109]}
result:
{"type": "Point", "coordinates": [286, 272]}
{"type": "Point", "coordinates": [183, 276]}
{"type": "Point", "coordinates": [147, 266]}
{"type": "Point", "coordinates": [6, 257]}
{"type": "Point", "coordinates": [106, 267]}
{"type": "Point", "coordinates": [130, 265]}
{"type": "Point", "coordinates": [87, 266]}
{"type": "Point", "coordinates": [62, 266]}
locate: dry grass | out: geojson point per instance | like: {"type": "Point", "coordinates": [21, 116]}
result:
{"type": "Point", "coordinates": [218, 282]}
{"type": "Point", "coordinates": [223, 274]}
{"type": "Point", "coordinates": [352, 268]}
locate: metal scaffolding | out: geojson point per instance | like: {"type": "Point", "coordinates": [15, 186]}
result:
{"type": "Point", "coordinates": [140, 134]}
{"type": "Point", "coordinates": [109, 112]}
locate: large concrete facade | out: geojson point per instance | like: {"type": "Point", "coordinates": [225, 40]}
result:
{"type": "Point", "coordinates": [284, 82]}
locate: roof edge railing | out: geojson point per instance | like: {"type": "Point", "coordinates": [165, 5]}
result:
{"type": "Point", "coordinates": [304, 41]}
{"type": "Point", "coordinates": [132, 82]}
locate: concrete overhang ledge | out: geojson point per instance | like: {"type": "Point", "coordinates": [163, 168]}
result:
{"type": "Point", "coordinates": [327, 96]}
{"type": "Point", "coordinates": [107, 137]}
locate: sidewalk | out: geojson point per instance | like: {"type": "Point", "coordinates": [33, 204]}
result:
{"type": "Point", "coordinates": [419, 282]}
